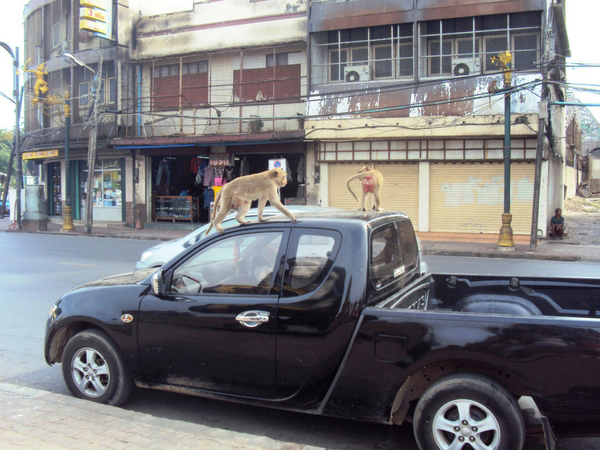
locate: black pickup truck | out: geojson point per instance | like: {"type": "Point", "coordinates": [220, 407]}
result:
{"type": "Point", "coordinates": [334, 315]}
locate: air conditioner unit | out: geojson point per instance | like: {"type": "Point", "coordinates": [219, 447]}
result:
{"type": "Point", "coordinates": [462, 67]}
{"type": "Point", "coordinates": [357, 73]}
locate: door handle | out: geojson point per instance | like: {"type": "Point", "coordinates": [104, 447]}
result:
{"type": "Point", "coordinates": [252, 319]}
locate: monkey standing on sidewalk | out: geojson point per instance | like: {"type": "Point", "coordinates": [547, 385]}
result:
{"type": "Point", "coordinates": [372, 180]}
{"type": "Point", "coordinates": [243, 190]}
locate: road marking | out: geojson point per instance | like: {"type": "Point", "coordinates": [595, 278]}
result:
{"type": "Point", "coordinates": [77, 264]}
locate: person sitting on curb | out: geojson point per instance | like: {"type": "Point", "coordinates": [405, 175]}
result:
{"type": "Point", "coordinates": [557, 224]}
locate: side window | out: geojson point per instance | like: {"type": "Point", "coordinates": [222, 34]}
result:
{"type": "Point", "coordinates": [310, 259]}
{"type": "Point", "coordinates": [394, 252]}
{"type": "Point", "coordinates": [241, 264]}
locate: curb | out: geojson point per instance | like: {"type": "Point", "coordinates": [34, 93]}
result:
{"type": "Point", "coordinates": [506, 255]}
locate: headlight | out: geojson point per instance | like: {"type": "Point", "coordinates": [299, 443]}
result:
{"type": "Point", "coordinates": [145, 256]}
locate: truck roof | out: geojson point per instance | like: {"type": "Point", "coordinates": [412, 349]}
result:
{"type": "Point", "coordinates": [327, 218]}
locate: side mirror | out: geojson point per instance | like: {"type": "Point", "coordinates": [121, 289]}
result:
{"type": "Point", "coordinates": [157, 282]}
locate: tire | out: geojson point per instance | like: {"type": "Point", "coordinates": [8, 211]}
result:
{"type": "Point", "coordinates": [468, 411]}
{"type": "Point", "coordinates": [94, 369]}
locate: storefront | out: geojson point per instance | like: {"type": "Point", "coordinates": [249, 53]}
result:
{"type": "Point", "coordinates": [181, 183]}
{"type": "Point", "coordinates": [469, 198]}
{"type": "Point", "coordinates": [107, 191]}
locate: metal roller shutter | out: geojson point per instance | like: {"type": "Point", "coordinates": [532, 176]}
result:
{"type": "Point", "coordinates": [469, 198]}
{"type": "Point", "coordinates": [400, 191]}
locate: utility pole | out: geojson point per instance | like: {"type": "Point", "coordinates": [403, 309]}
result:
{"type": "Point", "coordinates": [505, 240]}
{"type": "Point", "coordinates": [92, 149]}
{"type": "Point", "coordinates": [18, 141]}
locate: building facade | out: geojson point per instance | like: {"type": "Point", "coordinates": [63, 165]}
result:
{"type": "Point", "coordinates": [196, 93]}
{"type": "Point", "coordinates": [411, 87]}
{"type": "Point", "coordinates": [220, 89]}
{"type": "Point", "coordinates": [51, 32]}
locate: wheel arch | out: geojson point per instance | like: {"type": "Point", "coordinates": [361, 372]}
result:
{"type": "Point", "coordinates": [61, 337]}
{"type": "Point", "coordinates": [418, 382]}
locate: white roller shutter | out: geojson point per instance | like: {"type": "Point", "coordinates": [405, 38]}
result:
{"type": "Point", "coordinates": [469, 198]}
{"type": "Point", "coordinates": [400, 191]}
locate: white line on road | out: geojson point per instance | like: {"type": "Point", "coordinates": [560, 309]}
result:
{"type": "Point", "coordinates": [77, 264]}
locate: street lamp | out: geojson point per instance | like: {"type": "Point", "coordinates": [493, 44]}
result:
{"type": "Point", "coordinates": [505, 239]}
{"type": "Point", "coordinates": [17, 146]}
{"type": "Point", "coordinates": [88, 220]}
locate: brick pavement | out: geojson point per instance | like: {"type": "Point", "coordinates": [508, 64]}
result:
{"type": "Point", "coordinates": [35, 419]}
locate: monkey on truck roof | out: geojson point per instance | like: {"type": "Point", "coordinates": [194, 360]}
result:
{"type": "Point", "coordinates": [372, 180]}
{"type": "Point", "coordinates": [243, 190]}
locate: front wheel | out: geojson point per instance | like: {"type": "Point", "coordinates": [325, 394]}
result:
{"type": "Point", "coordinates": [94, 369]}
{"type": "Point", "coordinates": [468, 411]}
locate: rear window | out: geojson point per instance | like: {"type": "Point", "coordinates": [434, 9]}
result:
{"type": "Point", "coordinates": [394, 253]}
{"type": "Point", "coordinates": [311, 257]}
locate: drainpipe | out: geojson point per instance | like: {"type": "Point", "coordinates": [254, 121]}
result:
{"type": "Point", "coordinates": [139, 105]}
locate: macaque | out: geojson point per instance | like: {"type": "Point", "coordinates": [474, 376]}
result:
{"type": "Point", "coordinates": [243, 190]}
{"type": "Point", "coordinates": [372, 180]}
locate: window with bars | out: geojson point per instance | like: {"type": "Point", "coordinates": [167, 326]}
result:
{"type": "Point", "coordinates": [172, 91]}
{"type": "Point", "coordinates": [278, 80]}
{"type": "Point", "coordinates": [465, 46]}
{"type": "Point", "coordinates": [362, 54]}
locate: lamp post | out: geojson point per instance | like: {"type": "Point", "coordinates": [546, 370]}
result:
{"type": "Point", "coordinates": [505, 239]}
{"type": "Point", "coordinates": [92, 142]}
{"type": "Point", "coordinates": [67, 216]}
{"type": "Point", "coordinates": [17, 140]}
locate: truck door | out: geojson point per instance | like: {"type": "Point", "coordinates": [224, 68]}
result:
{"type": "Point", "coordinates": [216, 327]}
{"type": "Point", "coordinates": [311, 313]}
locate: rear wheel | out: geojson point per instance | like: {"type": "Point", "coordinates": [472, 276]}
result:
{"type": "Point", "coordinates": [94, 369]}
{"type": "Point", "coordinates": [468, 411]}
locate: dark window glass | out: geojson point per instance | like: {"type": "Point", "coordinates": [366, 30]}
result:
{"type": "Point", "coordinates": [495, 22]}
{"type": "Point", "coordinates": [310, 260]}
{"type": "Point", "coordinates": [394, 253]}
{"type": "Point", "coordinates": [242, 264]}
{"type": "Point", "coordinates": [525, 20]}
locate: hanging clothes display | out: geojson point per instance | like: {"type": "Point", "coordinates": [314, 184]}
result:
{"type": "Point", "coordinates": [163, 167]}
{"type": "Point", "coordinates": [209, 196]}
{"type": "Point", "coordinates": [209, 175]}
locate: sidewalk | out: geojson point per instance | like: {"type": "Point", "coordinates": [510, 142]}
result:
{"type": "Point", "coordinates": [581, 244]}
{"type": "Point", "coordinates": [36, 419]}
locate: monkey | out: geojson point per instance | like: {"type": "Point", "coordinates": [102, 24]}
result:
{"type": "Point", "coordinates": [372, 180]}
{"type": "Point", "coordinates": [259, 186]}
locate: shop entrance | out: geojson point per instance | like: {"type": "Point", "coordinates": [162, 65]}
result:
{"type": "Point", "coordinates": [178, 188]}
{"type": "Point", "coordinates": [294, 193]}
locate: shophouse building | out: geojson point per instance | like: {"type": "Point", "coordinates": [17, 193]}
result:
{"type": "Point", "coordinates": [52, 32]}
{"type": "Point", "coordinates": [411, 87]}
{"type": "Point", "coordinates": [220, 92]}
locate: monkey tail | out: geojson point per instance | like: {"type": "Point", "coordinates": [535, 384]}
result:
{"type": "Point", "coordinates": [354, 177]}
{"type": "Point", "coordinates": [214, 211]}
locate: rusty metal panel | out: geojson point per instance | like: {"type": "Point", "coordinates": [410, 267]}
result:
{"type": "Point", "coordinates": [361, 13]}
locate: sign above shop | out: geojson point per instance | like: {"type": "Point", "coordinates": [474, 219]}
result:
{"type": "Point", "coordinates": [40, 154]}
{"type": "Point", "coordinates": [96, 16]}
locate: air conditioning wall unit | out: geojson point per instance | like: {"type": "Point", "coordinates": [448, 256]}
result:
{"type": "Point", "coordinates": [461, 67]}
{"type": "Point", "coordinates": [357, 73]}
